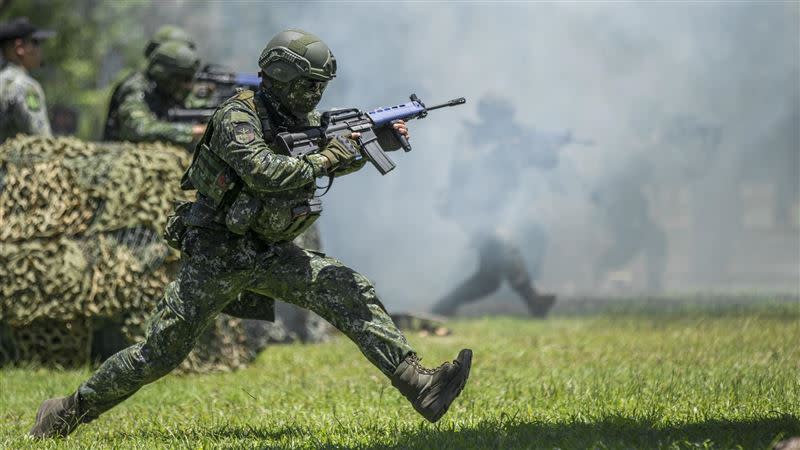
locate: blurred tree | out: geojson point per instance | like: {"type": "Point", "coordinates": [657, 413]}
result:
{"type": "Point", "coordinates": [96, 40]}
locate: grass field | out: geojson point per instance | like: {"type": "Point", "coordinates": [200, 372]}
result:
{"type": "Point", "coordinates": [683, 378]}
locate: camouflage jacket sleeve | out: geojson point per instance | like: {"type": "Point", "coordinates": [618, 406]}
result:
{"type": "Point", "coordinates": [238, 140]}
{"type": "Point", "coordinates": [352, 168]}
{"type": "Point", "coordinates": [137, 123]}
{"type": "Point", "coordinates": [29, 109]}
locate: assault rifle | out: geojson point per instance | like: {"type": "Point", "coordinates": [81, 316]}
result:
{"type": "Point", "coordinates": [342, 122]}
{"type": "Point", "coordinates": [213, 85]}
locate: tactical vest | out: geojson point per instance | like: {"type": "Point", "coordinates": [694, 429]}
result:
{"type": "Point", "coordinates": [111, 129]}
{"type": "Point", "coordinates": [224, 192]}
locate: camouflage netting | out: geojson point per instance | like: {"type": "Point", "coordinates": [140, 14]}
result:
{"type": "Point", "coordinates": [81, 258]}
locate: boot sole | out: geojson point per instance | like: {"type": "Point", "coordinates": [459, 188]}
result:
{"type": "Point", "coordinates": [456, 385]}
{"type": "Point", "coordinates": [39, 434]}
{"type": "Point", "coordinates": [59, 429]}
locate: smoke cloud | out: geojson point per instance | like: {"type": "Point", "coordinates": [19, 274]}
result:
{"type": "Point", "coordinates": [704, 95]}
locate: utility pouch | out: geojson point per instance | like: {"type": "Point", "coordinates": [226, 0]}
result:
{"type": "Point", "coordinates": [242, 213]}
{"type": "Point", "coordinates": [210, 175]}
{"type": "Point", "coordinates": [303, 216]}
{"type": "Point", "coordinates": [176, 224]}
{"type": "Point", "coordinates": [312, 208]}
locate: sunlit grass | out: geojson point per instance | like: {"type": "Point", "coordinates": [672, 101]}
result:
{"type": "Point", "coordinates": [689, 378]}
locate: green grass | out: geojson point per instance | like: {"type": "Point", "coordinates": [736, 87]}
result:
{"type": "Point", "coordinates": [697, 379]}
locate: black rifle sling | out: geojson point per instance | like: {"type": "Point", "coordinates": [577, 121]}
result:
{"type": "Point", "coordinates": [263, 114]}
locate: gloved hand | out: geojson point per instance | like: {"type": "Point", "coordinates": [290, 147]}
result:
{"type": "Point", "coordinates": [341, 152]}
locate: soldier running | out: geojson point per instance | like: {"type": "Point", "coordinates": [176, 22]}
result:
{"type": "Point", "coordinates": [252, 201]}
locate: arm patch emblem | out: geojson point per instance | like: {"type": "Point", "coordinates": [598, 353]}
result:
{"type": "Point", "coordinates": [244, 133]}
{"type": "Point", "coordinates": [32, 101]}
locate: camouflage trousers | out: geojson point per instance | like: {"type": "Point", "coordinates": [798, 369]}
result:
{"type": "Point", "coordinates": [216, 267]}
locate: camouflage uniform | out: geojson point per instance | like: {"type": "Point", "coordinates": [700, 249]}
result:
{"type": "Point", "coordinates": [302, 324]}
{"type": "Point", "coordinates": [237, 253]}
{"type": "Point", "coordinates": [218, 264]}
{"type": "Point", "coordinates": [137, 113]}
{"type": "Point", "coordinates": [22, 106]}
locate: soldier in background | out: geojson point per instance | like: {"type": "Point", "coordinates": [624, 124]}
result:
{"type": "Point", "coordinates": [625, 214]}
{"type": "Point", "coordinates": [138, 110]}
{"type": "Point", "coordinates": [483, 199]}
{"type": "Point", "coordinates": [22, 103]}
{"type": "Point", "coordinates": [167, 33]}
{"type": "Point", "coordinates": [499, 259]}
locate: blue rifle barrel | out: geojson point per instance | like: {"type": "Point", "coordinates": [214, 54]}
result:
{"type": "Point", "coordinates": [407, 111]}
{"type": "Point", "coordinates": [384, 115]}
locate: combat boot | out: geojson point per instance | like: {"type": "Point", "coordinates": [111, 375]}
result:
{"type": "Point", "coordinates": [431, 391]}
{"type": "Point", "coordinates": [58, 417]}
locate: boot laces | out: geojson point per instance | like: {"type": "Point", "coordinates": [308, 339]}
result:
{"type": "Point", "coordinates": [415, 361]}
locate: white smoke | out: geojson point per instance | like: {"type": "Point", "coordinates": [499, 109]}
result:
{"type": "Point", "coordinates": [610, 72]}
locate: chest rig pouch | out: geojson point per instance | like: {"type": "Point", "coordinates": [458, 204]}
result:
{"type": "Point", "coordinates": [209, 174]}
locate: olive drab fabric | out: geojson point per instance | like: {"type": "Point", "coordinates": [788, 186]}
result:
{"type": "Point", "coordinates": [22, 104]}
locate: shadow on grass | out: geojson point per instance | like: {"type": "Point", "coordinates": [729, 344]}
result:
{"type": "Point", "coordinates": [614, 432]}
{"type": "Point", "coordinates": [508, 433]}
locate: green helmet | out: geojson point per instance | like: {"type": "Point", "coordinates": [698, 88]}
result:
{"type": "Point", "coordinates": [173, 65]}
{"type": "Point", "coordinates": [168, 33]}
{"type": "Point", "coordinates": [295, 53]}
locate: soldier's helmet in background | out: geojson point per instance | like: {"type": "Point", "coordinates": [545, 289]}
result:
{"type": "Point", "coordinates": [173, 65]}
{"type": "Point", "coordinates": [168, 33]}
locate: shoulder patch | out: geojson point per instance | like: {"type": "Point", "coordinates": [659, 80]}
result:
{"type": "Point", "coordinates": [32, 100]}
{"type": "Point", "coordinates": [240, 116]}
{"type": "Point", "coordinates": [244, 133]}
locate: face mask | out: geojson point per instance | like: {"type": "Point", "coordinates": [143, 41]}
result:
{"type": "Point", "coordinates": [303, 95]}
{"type": "Point", "coordinates": [179, 87]}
